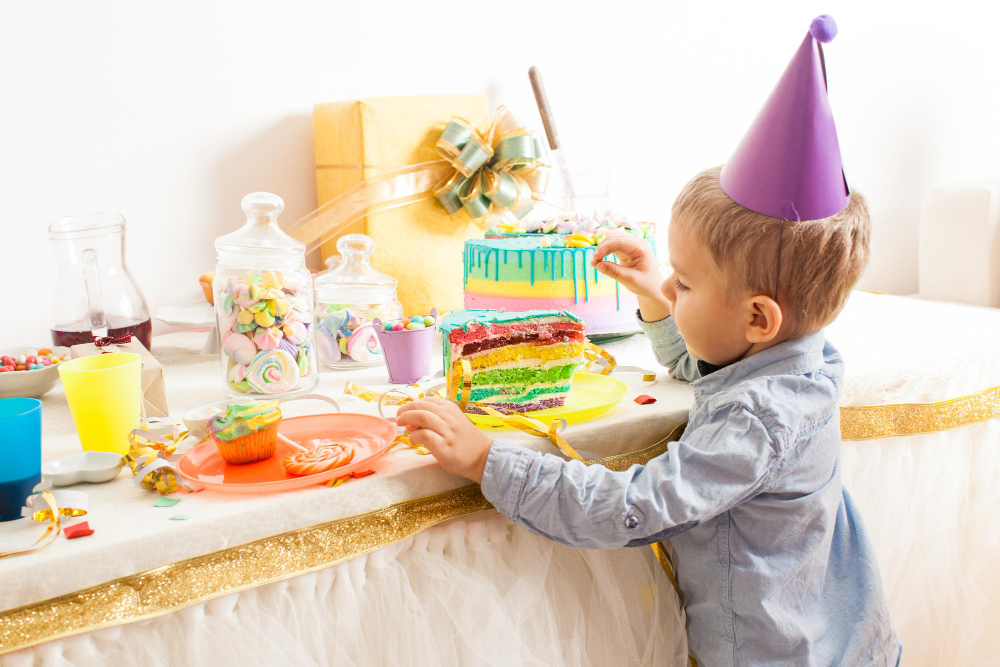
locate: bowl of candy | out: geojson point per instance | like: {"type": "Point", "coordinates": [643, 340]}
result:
{"type": "Point", "coordinates": [29, 372]}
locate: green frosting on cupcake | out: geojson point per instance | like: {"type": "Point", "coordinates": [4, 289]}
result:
{"type": "Point", "coordinates": [242, 419]}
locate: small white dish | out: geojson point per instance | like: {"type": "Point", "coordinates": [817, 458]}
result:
{"type": "Point", "coordinates": [88, 466]}
{"type": "Point", "coordinates": [201, 316]}
{"type": "Point", "coordinates": [29, 384]}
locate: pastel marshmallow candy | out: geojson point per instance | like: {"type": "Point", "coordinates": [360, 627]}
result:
{"type": "Point", "coordinates": [363, 345]}
{"type": "Point", "coordinates": [239, 348]}
{"type": "Point", "coordinates": [267, 338]}
{"type": "Point", "coordinates": [295, 332]}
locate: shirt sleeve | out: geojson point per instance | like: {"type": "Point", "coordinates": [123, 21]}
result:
{"type": "Point", "coordinates": [710, 470]}
{"type": "Point", "coordinates": [670, 348]}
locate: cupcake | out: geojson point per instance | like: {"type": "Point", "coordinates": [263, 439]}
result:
{"type": "Point", "coordinates": [206, 286]}
{"type": "Point", "coordinates": [246, 432]}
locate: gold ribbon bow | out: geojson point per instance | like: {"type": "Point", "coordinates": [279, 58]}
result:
{"type": "Point", "coordinates": [52, 514]}
{"type": "Point", "coordinates": [501, 172]}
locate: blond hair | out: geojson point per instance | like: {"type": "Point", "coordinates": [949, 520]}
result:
{"type": "Point", "coordinates": [820, 260]}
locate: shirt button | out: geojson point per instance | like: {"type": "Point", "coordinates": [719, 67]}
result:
{"type": "Point", "coordinates": [631, 522]}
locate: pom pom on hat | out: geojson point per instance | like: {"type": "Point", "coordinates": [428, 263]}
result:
{"type": "Point", "coordinates": [823, 28]}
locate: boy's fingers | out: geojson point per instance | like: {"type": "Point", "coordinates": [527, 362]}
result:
{"type": "Point", "coordinates": [430, 439]}
{"type": "Point", "coordinates": [622, 244]}
{"type": "Point", "coordinates": [421, 419]}
{"type": "Point", "coordinates": [612, 270]}
{"type": "Point", "coordinates": [416, 404]}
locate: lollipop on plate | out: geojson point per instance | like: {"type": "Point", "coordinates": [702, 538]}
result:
{"type": "Point", "coordinates": [322, 456]}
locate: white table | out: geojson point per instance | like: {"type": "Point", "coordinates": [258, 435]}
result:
{"type": "Point", "coordinates": [346, 575]}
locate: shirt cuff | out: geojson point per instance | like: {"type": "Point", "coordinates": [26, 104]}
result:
{"type": "Point", "coordinates": [661, 333]}
{"type": "Point", "coordinates": [505, 475]}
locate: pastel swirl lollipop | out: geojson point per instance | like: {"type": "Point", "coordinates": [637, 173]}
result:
{"type": "Point", "coordinates": [273, 372]}
{"type": "Point", "coordinates": [323, 456]}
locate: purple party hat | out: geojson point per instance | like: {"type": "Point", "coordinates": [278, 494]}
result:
{"type": "Point", "coordinates": [788, 164]}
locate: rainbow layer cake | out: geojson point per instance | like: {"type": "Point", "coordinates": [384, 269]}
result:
{"type": "Point", "coordinates": [545, 265]}
{"type": "Point", "coordinates": [520, 361]}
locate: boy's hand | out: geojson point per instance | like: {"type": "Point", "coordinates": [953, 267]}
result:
{"type": "Point", "coordinates": [441, 427]}
{"type": "Point", "coordinates": [636, 270]}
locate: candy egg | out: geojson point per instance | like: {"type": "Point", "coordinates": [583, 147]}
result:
{"type": "Point", "coordinates": [413, 326]}
{"type": "Point", "coordinates": [44, 350]}
{"type": "Point", "coordinates": [343, 345]}
{"type": "Point", "coordinates": [429, 321]}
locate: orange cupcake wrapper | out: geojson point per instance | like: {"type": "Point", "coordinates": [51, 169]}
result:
{"type": "Point", "coordinates": [250, 448]}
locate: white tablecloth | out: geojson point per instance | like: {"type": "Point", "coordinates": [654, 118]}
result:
{"type": "Point", "coordinates": [930, 502]}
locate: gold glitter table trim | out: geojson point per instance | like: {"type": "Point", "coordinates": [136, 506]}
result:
{"type": "Point", "coordinates": [870, 422]}
{"type": "Point", "coordinates": [171, 587]}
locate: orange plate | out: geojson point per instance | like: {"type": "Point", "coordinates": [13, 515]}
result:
{"type": "Point", "coordinates": [371, 437]}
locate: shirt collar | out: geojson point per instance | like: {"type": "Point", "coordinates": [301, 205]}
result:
{"type": "Point", "coordinates": [792, 357]}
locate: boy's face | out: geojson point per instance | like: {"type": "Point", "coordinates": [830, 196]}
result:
{"type": "Point", "coordinates": [714, 327]}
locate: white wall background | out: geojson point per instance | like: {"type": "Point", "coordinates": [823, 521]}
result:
{"type": "Point", "coordinates": [170, 112]}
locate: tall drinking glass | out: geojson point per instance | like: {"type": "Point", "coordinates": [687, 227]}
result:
{"type": "Point", "coordinates": [104, 392]}
{"type": "Point", "coordinates": [20, 453]}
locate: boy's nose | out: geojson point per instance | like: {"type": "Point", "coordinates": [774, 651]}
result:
{"type": "Point", "coordinates": [668, 289]}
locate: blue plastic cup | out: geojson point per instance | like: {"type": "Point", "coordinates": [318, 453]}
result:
{"type": "Point", "coordinates": [20, 453]}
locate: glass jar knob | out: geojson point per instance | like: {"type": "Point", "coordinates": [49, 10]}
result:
{"type": "Point", "coordinates": [262, 204]}
{"type": "Point", "coordinates": [355, 249]}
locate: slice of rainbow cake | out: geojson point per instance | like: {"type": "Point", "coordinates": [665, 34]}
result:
{"type": "Point", "coordinates": [520, 361]}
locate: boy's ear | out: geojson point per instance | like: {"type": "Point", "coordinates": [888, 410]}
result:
{"type": "Point", "coordinates": [764, 319]}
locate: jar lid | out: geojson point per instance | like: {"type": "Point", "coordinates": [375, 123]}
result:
{"type": "Point", "coordinates": [260, 242]}
{"type": "Point", "coordinates": [354, 279]}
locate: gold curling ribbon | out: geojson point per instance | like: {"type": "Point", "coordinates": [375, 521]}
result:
{"type": "Point", "coordinates": [593, 353]}
{"type": "Point", "coordinates": [50, 514]}
{"type": "Point", "coordinates": [149, 447]}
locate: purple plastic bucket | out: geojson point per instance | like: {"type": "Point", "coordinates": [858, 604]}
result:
{"type": "Point", "coordinates": [408, 352]}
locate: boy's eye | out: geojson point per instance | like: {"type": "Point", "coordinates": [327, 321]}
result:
{"type": "Point", "coordinates": [679, 285]}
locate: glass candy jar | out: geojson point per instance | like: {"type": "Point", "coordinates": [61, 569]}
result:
{"type": "Point", "coordinates": [263, 306]}
{"type": "Point", "coordinates": [348, 298]}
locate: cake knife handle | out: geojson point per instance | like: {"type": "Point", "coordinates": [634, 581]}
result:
{"type": "Point", "coordinates": [543, 107]}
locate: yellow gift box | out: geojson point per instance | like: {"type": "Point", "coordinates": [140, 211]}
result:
{"type": "Point", "coordinates": [419, 244]}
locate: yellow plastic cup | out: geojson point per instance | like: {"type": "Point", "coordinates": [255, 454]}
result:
{"type": "Point", "coordinates": [104, 392]}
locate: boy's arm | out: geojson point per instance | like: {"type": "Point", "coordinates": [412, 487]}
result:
{"type": "Point", "coordinates": [670, 349]}
{"type": "Point", "coordinates": [719, 465]}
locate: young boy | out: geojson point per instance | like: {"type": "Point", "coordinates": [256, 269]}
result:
{"type": "Point", "coordinates": [772, 557]}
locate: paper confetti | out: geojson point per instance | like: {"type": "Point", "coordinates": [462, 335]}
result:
{"type": "Point", "coordinates": [81, 529]}
{"type": "Point", "coordinates": [180, 517]}
{"type": "Point", "coordinates": [644, 399]}
{"type": "Point", "coordinates": [163, 501]}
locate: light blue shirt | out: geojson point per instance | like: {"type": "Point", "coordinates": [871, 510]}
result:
{"type": "Point", "coordinates": [772, 556]}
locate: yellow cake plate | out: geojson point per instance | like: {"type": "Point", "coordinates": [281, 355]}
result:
{"type": "Point", "coordinates": [590, 396]}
